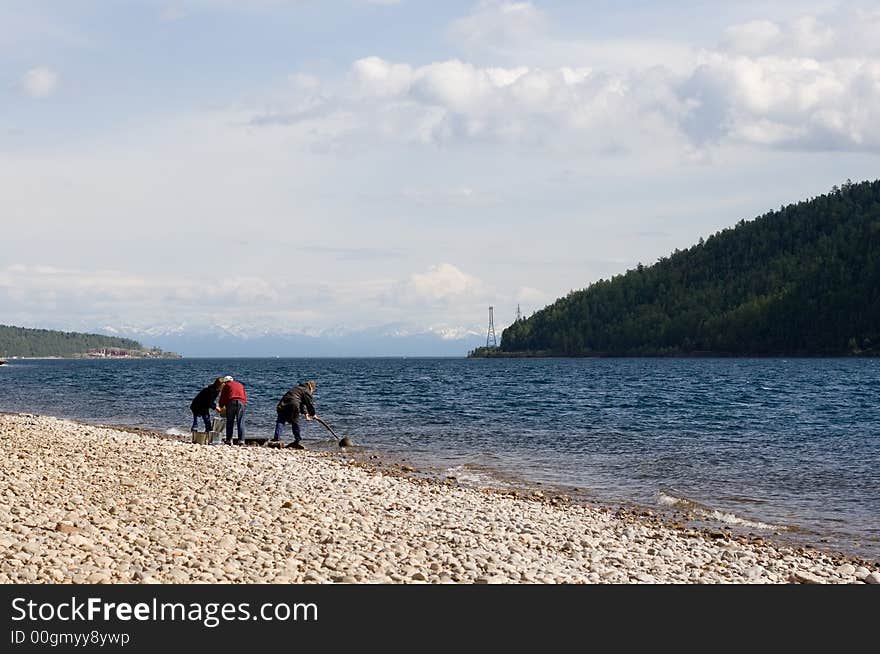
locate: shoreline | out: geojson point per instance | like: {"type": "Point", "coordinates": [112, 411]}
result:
{"type": "Point", "coordinates": [682, 514]}
{"type": "Point", "coordinates": [190, 513]}
{"type": "Point", "coordinates": [528, 354]}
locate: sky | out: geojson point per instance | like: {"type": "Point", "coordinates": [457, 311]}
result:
{"type": "Point", "coordinates": [340, 167]}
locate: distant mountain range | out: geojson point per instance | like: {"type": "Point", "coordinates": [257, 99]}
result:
{"type": "Point", "coordinates": [801, 281]}
{"type": "Point", "coordinates": [220, 341]}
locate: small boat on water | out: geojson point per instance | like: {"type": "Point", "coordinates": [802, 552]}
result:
{"type": "Point", "coordinates": [2, 362]}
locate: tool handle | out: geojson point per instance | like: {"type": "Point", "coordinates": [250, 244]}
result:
{"type": "Point", "coordinates": [328, 427]}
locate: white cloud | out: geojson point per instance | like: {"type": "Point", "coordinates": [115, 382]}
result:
{"type": "Point", "coordinates": [443, 293]}
{"type": "Point", "coordinates": [306, 305]}
{"type": "Point", "coordinates": [443, 282]}
{"type": "Point", "coordinates": [499, 22]}
{"type": "Point", "coordinates": [39, 82]}
{"type": "Point", "coordinates": [754, 37]}
{"type": "Point", "coordinates": [452, 101]}
{"type": "Point", "coordinates": [810, 36]}
{"type": "Point", "coordinates": [795, 85]}
{"type": "Point", "coordinates": [71, 287]}
{"type": "Point", "coordinates": [517, 33]}
{"type": "Point", "coordinates": [33, 294]}
{"type": "Point", "coordinates": [377, 78]}
{"type": "Point", "coordinates": [839, 34]}
{"type": "Point", "coordinates": [799, 103]}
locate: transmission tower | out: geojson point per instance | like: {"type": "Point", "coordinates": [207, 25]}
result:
{"type": "Point", "coordinates": [518, 314]}
{"type": "Point", "coordinates": [490, 336]}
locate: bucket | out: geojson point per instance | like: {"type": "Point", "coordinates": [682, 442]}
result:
{"type": "Point", "coordinates": [201, 438]}
{"type": "Point", "coordinates": [218, 429]}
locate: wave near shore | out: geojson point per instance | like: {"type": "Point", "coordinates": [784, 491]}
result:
{"type": "Point", "coordinates": [88, 504]}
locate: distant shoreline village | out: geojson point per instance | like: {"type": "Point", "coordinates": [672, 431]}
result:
{"type": "Point", "coordinates": [103, 353]}
{"type": "Point", "coordinates": [120, 353]}
{"type": "Point", "coordinates": [26, 343]}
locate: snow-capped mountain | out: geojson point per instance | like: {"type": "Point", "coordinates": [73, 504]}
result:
{"type": "Point", "coordinates": [243, 340]}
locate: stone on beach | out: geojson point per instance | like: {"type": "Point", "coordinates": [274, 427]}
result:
{"type": "Point", "coordinates": [109, 506]}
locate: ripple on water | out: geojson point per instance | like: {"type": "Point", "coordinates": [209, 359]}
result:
{"type": "Point", "coordinates": [785, 443]}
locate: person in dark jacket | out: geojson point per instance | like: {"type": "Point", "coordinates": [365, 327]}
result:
{"type": "Point", "coordinates": [298, 400]}
{"type": "Point", "coordinates": [233, 400]}
{"type": "Point", "coordinates": [203, 403]}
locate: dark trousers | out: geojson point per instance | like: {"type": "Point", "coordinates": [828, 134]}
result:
{"type": "Point", "coordinates": [204, 416]}
{"type": "Point", "coordinates": [279, 428]}
{"type": "Point", "coordinates": [235, 417]}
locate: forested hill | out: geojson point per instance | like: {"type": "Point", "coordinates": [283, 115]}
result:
{"type": "Point", "coordinates": [22, 342]}
{"type": "Point", "coordinates": [804, 280]}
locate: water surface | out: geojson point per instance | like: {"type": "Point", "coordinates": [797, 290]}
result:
{"type": "Point", "coordinates": [767, 443]}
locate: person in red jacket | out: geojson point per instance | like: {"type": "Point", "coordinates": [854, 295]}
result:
{"type": "Point", "coordinates": [233, 399]}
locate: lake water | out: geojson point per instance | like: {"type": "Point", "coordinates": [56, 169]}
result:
{"type": "Point", "coordinates": [768, 445]}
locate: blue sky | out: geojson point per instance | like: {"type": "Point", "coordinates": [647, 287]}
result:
{"type": "Point", "coordinates": [326, 168]}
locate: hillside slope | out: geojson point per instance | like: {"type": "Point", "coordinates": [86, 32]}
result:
{"type": "Point", "coordinates": [804, 280]}
{"type": "Point", "coordinates": [24, 342]}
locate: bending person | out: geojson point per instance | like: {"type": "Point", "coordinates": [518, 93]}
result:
{"type": "Point", "coordinates": [203, 403]}
{"type": "Point", "coordinates": [296, 401]}
{"type": "Point", "coordinates": [234, 400]}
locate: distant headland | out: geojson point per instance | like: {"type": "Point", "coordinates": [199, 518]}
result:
{"type": "Point", "coordinates": [22, 342]}
{"type": "Point", "coordinates": [800, 281]}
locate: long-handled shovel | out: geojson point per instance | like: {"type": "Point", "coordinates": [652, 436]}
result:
{"type": "Point", "coordinates": [343, 442]}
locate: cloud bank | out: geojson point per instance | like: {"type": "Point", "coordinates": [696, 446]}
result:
{"type": "Point", "coordinates": [79, 295]}
{"type": "Point", "coordinates": [811, 84]}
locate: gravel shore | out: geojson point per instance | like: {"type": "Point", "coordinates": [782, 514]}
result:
{"type": "Point", "coordinates": [88, 504]}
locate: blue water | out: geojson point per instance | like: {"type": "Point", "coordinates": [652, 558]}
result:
{"type": "Point", "coordinates": [791, 446]}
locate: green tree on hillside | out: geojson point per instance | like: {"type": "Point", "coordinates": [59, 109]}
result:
{"type": "Point", "coordinates": [22, 342]}
{"type": "Point", "coordinates": [804, 280]}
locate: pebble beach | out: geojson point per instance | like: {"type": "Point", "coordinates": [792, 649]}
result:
{"type": "Point", "coordinates": [89, 504]}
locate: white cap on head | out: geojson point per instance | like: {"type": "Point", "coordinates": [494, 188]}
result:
{"type": "Point", "coordinates": [227, 378]}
